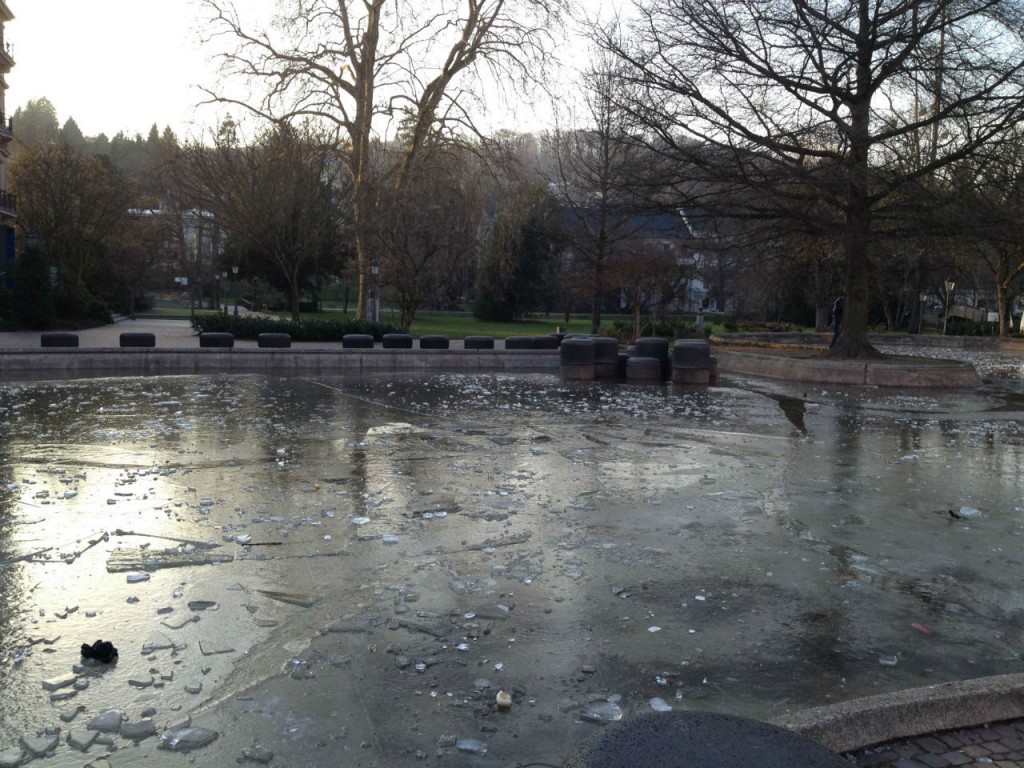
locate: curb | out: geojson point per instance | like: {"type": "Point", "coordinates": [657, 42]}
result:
{"type": "Point", "coordinates": [866, 722]}
{"type": "Point", "coordinates": [808, 366]}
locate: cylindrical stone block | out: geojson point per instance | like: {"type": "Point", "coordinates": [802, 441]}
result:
{"type": "Point", "coordinates": [546, 342]}
{"type": "Point", "coordinates": [606, 358]}
{"type": "Point", "coordinates": [696, 376]}
{"type": "Point", "coordinates": [623, 361]}
{"type": "Point", "coordinates": [691, 362]}
{"type": "Point", "coordinates": [396, 341]}
{"type": "Point", "coordinates": [652, 346]}
{"type": "Point", "coordinates": [657, 348]}
{"type": "Point", "coordinates": [134, 339]}
{"type": "Point", "coordinates": [217, 340]}
{"type": "Point", "coordinates": [357, 341]}
{"type": "Point", "coordinates": [577, 371]}
{"type": "Point", "coordinates": [577, 359]}
{"type": "Point", "coordinates": [519, 342]}
{"type": "Point", "coordinates": [434, 342]}
{"type": "Point", "coordinates": [58, 339]}
{"type": "Point", "coordinates": [478, 342]}
{"type": "Point", "coordinates": [691, 353]}
{"type": "Point", "coordinates": [643, 369]}
{"type": "Point", "coordinates": [274, 340]}
{"type": "Point", "coordinates": [578, 351]}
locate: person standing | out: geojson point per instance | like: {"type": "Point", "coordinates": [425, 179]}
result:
{"type": "Point", "coordinates": [837, 321]}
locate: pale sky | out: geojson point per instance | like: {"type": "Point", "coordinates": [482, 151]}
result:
{"type": "Point", "coordinates": [110, 64]}
{"type": "Point", "coordinates": [117, 65]}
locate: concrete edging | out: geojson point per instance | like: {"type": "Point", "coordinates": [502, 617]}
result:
{"type": "Point", "coordinates": [865, 722]}
{"type": "Point", "coordinates": [948, 374]}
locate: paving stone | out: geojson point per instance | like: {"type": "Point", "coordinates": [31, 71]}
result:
{"type": "Point", "coordinates": [885, 757]}
{"type": "Point", "coordinates": [958, 758]}
{"type": "Point", "coordinates": [933, 760]}
{"type": "Point", "coordinates": [931, 744]}
{"type": "Point", "coordinates": [976, 751]}
{"type": "Point", "coordinates": [996, 747]}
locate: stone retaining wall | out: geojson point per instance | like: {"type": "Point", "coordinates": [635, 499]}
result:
{"type": "Point", "coordinates": [144, 362]}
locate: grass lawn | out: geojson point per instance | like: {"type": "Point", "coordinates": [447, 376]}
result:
{"type": "Point", "coordinates": [455, 325]}
{"type": "Point", "coordinates": [459, 326]}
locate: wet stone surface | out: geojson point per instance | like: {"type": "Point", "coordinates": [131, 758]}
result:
{"type": "Point", "coordinates": [485, 570]}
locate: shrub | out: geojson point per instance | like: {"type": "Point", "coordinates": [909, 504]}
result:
{"type": "Point", "coordinates": [306, 330]}
{"type": "Point", "coordinates": [623, 329]}
{"type": "Point", "coordinates": [753, 326]}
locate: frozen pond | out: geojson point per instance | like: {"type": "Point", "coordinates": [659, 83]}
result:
{"type": "Point", "coordinates": [346, 572]}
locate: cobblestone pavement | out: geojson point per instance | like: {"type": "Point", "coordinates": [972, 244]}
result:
{"type": "Point", "coordinates": [1000, 745]}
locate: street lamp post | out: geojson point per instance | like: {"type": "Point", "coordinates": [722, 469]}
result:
{"type": "Point", "coordinates": [375, 291]}
{"type": "Point", "coordinates": [950, 286]}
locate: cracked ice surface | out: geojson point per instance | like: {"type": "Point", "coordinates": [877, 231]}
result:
{"type": "Point", "coordinates": [368, 563]}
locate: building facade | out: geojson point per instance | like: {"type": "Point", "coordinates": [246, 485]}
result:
{"type": "Point", "coordinates": [8, 204]}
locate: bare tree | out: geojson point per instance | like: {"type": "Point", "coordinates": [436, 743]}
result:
{"type": "Point", "coordinates": [75, 204]}
{"type": "Point", "coordinates": [596, 167]}
{"type": "Point", "coordinates": [813, 104]}
{"type": "Point", "coordinates": [275, 198]}
{"type": "Point", "coordinates": [639, 269]}
{"type": "Point", "coordinates": [989, 195]}
{"type": "Point", "coordinates": [429, 230]}
{"type": "Point", "coordinates": [358, 65]}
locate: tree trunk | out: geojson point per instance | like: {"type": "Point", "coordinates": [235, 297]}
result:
{"type": "Point", "coordinates": [853, 337]}
{"type": "Point", "coordinates": [595, 312]}
{"type": "Point", "coordinates": [1003, 300]}
{"type": "Point", "coordinates": [362, 260]}
{"type": "Point", "coordinates": [293, 295]}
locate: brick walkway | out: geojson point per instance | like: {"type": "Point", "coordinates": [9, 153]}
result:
{"type": "Point", "coordinates": [996, 745]}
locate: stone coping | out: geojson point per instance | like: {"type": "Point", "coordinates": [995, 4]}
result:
{"type": "Point", "coordinates": [819, 341]}
{"type": "Point", "coordinates": [800, 364]}
{"type": "Point", "coordinates": [865, 722]}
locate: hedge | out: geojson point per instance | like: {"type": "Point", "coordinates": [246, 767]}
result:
{"type": "Point", "coordinates": [306, 330]}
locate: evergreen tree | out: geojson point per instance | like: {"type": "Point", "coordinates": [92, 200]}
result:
{"type": "Point", "coordinates": [32, 297]}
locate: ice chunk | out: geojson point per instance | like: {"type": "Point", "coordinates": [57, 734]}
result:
{"type": "Point", "coordinates": [39, 746]}
{"type": "Point", "coordinates": [187, 738]}
{"type": "Point", "coordinates": [107, 721]}
{"type": "Point", "coordinates": [660, 705]}
{"type": "Point", "coordinates": [601, 712]}
{"type": "Point", "coordinates": [473, 746]}
{"type": "Point", "coordinates": [62, 681]}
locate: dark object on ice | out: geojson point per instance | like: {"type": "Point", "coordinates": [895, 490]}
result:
{"type": "Point", "coordinates": [101, 650]}
{"type": "Point", "coordinates": [708, 739]}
